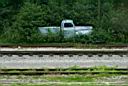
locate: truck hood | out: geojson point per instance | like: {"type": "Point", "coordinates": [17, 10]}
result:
{"type": "Point", "coordinates": [83, 30]}
{"type": "Point", "coordinates": [83, 27]}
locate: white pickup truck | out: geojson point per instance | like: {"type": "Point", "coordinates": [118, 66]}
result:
{"type": "Point", "coordinates": [68, 29]}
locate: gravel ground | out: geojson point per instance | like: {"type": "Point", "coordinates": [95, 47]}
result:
{"type": "Point", "coordinates": [122, 79]}
{"type": "Point", "coordinates": [56, 61]}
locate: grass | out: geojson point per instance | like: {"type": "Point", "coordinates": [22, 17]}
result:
{"type": "Point", "coordinates": [63, 45]}
{"type": "Point", "coordinates": [64, 80]}
{"type": "Point", "coordinates": [71, 78]}
{"type": "Point", "coordinates": [71, 85]}
{"type": "Point", "coordinates": [67, 80]}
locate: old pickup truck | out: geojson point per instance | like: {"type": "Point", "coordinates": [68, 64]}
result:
{"type": "Point", "coordinates": [68, 29]}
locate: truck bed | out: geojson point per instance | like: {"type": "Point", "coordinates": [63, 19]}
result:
{"type": "Point", "coordinates": [47, 30]}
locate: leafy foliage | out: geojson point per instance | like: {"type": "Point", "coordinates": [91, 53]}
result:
{"type": "Point", "coordinates": [19, 19]}
{"type": "Point", "coordinates": [26, 21]}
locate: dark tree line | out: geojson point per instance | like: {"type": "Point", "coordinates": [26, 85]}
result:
{"type": "Point", "coordinates": [19, 19]}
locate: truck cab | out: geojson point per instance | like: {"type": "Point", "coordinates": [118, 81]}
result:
{"type": "Point", "coordinates": [68, 28]}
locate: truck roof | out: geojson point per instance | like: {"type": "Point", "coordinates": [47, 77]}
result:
{"type": "Point", "coordinates": [67, 20]}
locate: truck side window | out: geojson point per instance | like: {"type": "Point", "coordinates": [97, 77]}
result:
{"type": "Point", "coordinates": [68, 25]}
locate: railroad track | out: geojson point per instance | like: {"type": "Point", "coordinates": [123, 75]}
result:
{"type": "Point", "coordinates": [67, 71]}
{"type": "Point", "coordinates": [62, 57]}
{"type": "Point", "coordinates": [33, 61]}
{"type": "Point", "coordinates": [64, 51]}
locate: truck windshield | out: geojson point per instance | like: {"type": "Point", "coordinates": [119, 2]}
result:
{"type": "Point", "coordinates": [68, 25]}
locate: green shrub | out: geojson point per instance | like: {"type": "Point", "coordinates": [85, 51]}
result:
{"type": "Point", "coordinates": [24, 28]}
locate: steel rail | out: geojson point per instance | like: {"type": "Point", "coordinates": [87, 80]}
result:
{"type": "Point", "coordinates": [61, 51]}
{"type": "Point", "coordinates": [65, 52]}
{"type": "Point", "coordinates": [66, 69]}
{"type": "Point", "coordinates": [61, 71]}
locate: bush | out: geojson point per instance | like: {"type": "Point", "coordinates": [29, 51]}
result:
{"type": "Point", "coordinates": [120, 26]}
{"type": "Point", "coordinates": [24, 29]}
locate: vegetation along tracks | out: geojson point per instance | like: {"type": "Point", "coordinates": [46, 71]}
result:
{"type": "Point", "coordinates": [64, 45]}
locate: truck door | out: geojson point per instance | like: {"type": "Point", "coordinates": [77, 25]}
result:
{"type": "Point", "coordinates": [68, 30]}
